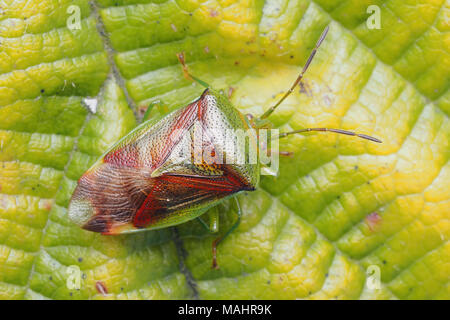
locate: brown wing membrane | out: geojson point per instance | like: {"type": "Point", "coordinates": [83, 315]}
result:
{"type": "Point", "coordinates": [109, 195]}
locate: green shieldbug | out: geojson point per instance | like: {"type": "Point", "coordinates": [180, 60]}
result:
{"type": "Point", "coordinates": [157, 175]}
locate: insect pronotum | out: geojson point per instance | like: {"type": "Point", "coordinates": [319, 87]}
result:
{"type": "Point", "coordinates": [157, 175]}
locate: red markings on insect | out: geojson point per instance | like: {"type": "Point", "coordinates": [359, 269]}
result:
{"type": "Point", "coordinates": [168, 192]}
{"type": "Point", "coordinates": [126, 156]}
{"type": "Point", "coordinates": [101, 288]}
{"type": "Point", "coordinates": [373, 221]}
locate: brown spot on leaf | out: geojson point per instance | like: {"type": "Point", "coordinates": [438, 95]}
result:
{"type": "Point", "coordinates": [373, 220]}
{"type": "Point", "coordinates": [304, 88]}
{"type": "Point", "coordinates": [327, 100]}
{"type": "Point", "coordinates": [213, 13]}
{"type": "Point", "coordinates": [48, 205]}
{"type": "Point", "coordinates": [101, 288]}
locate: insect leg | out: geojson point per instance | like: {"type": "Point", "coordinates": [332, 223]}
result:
{"type": "Point", "coordinates": [220, 239]}
{"type": "Point", "coordinates": [204, 224]}
{"type": "Point", "coordinates": [340, 131]}
{"type": "Point", "coordinates": [160, 105]}
{"type": "Point", "coordinates": [214, 220]}
{"type": "Point", "coordinates": [186, 72]}
{"type": "Point", "coordinates": [213, 215]}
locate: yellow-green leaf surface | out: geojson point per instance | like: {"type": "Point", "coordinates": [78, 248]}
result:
{"type": "Point", "coordinates": [340, 207]}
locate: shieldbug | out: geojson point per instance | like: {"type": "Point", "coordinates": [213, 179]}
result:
{"type": "Point", "coordinates": [157, 175]}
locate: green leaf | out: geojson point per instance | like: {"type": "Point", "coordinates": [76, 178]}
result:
{"type": "Point", "coordinates": [339, 206]}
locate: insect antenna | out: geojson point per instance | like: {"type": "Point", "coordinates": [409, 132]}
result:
{"type": "Point", "coordinates": [340, 131]}
{"type": "Point", "coordinates": [297, 81]}
{"type": "Point", "coordinates": [300, 76]}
